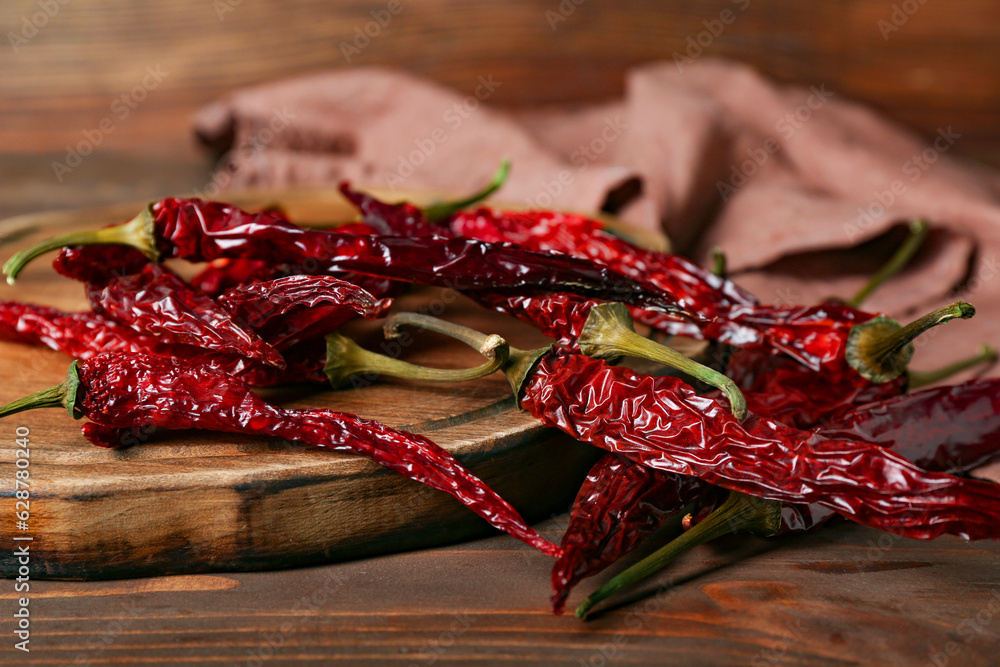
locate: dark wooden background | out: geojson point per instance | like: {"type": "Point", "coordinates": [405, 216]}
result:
{"type": "Point", "coordinates": [940, 67]}
{"type": "Point", "coordinates": [842, 596]}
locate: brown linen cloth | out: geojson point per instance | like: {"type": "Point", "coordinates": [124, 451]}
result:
{"type": "Point", "coordinates": [804, 191]}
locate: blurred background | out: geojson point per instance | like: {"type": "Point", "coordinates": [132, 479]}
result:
{"type": "Point", "coordinates": [64, 64]}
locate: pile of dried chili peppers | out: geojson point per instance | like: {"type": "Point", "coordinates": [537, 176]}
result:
{"type": "Point", "coordinates": [796, 415]}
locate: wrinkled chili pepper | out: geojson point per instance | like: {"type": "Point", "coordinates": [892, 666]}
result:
{"type": "Point", "coordinates": [619, 504]}
{"type": "Point", "coordinates": [288, 311]}
{"type": "Point", "coordinates": [944, 429]}
{"type": "Point", "coordinates": [83, 335]}
{"type": "Point", "coordinates": [198, 231]}
{"type": "Point", "coordinates": [684, 433]}
{"type": "Point", "coordinates": [124, 390]}
{"type": "Point", "coordinates": [663, 424]}
{"type": "Point", "coordinates": [691, 286]}
{"type": "Point", "coordinates": [935, 429]}
{"type": "Point", "coordinates": [154, 300]}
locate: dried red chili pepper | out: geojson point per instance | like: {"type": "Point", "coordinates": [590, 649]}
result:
{"type": "Point", "coordinates": [619, 504]}
{"type": "Point", "coordinates": [662, 423]}
{"type": "Point", "coordinates": [151, 299]}
{"type": "Point", "coordinates": [951, 429]}
{"type": "Point", "coordinates": [84, 335]}
{"type": "Point", "coordinates": [288, 311]}
{"type": "Point", "coordinates": [158, 302]}
{"type": "Point", "coordinates": [203, 231]}
{"type": "Point", "coordinates": [691, 286]}
{"type": "Point", "coordinates": [124, 390]}
{"type": "Point", "coordinates": [947, 429]}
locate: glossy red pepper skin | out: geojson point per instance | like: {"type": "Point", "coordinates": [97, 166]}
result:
{"type": "Point", "coordinates": [158, 302]}
{"type": "Point", "coordinates": [779, 388]}
{"type": "Point", "coordinates": [379, 217]}
{"type": "Point", "coordinates": [619, 504]}
{"type": "Point", "coordinates": [203, 231]}
{"type": "Point", "coordinates": [288, 311]}
{"type": "Point", "coordinates": [663, 424]}
{"type": "Point", "coordinates": [129, 289]}
{"type": "Point", "coordinates": [691, 286]}
{"type": "Point", "coordinates": [85, 335]}
{"type": "Point", "coordinates": [96, 265]}
{"type": "Point", "coordinates": [951, 429]}
{"type": "Point", "coordinates": [812, 335]}
{"type": "Point", "coordinates": [125, 390]}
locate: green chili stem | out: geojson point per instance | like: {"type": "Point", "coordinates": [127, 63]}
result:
{"type": "Point", "coordinates": [444, 210]}
{"type": "Point", "coordinates": [516, 366]}
{"type": "Point", "coordinates": [345, 358]}
{"type": "Point", "coordinates": [879, 349]}
{"type": "Point", "coordinates": [718, 262]}
{"type": "Point", "coordinates": [136, 233]}
{"type": "Point", "coordinates": [987, 354]}
{"type": "Point", "coordinates": [899, 259]}
{"type": "Point", "coordinates": [62, 395]}
{"type": "Point", "coordinates": [608, 334]}
{"type": "Point", "coordinates": [739, 512]}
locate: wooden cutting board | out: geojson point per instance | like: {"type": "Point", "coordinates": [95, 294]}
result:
{"type": "Point", "coordinates": [198, 502]}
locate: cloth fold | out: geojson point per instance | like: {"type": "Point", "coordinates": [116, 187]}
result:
{"type": "Point", "coordinates": [804, 191]}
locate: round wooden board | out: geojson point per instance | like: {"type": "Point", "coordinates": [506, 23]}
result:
{"type": "Point", "coordinates": [197, 502]}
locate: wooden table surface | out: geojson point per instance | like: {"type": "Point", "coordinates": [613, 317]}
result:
{"type": "Point", "coordinates": [844, 595]}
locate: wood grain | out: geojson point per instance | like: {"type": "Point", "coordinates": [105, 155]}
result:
{"type": "Point", "coordinates": [196, 502]}
{"type": "Point", "coordinates": [938, 68]}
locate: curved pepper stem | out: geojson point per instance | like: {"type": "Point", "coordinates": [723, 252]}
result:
{"type": "Point", "coordinates": [516, 366]}
{"type": "Point", "coordinates": [880, 348]}
{"type": "Point", "coordinates": [987, 355]}
{"type": "Point", "coordinates": [62, 395]}
{"type": "Point", "coordinates": [740, 512]}
{"type": "Point", "coordinates": [444, 210]}
{"type": "Point", "coordinates": [896, 263]}
{"type": "Point", "coordinates": [345, 359]}
{"type": "Point", "coordinates": [138, 233]}
{"type": "Point", "coordinates": [608, 334]}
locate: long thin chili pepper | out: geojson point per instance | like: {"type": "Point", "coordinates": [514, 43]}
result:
{"type": "Point", "coordinates": [151, 299]}
{"type": "Point", "coordinates": [287, 311]}
{"type": "Point", "coordinates": [619, 504]}
{"type": "Point", "coordinates": [83, 335]}
{"type": "Point", "coordinates": [123, 390]}
{"type": "Point", "coordinates": [203, 231]}
{"type": "Point", "coordinates": [662, 423]}
{"type": "Point", "coordinates": [947, 429]}
{"type": "Point", "coordinates": [158, 302]}
{"type": "Point", "coordinates": [378, 217]}
{"type": "Point", "coordinates": [691, 286]}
